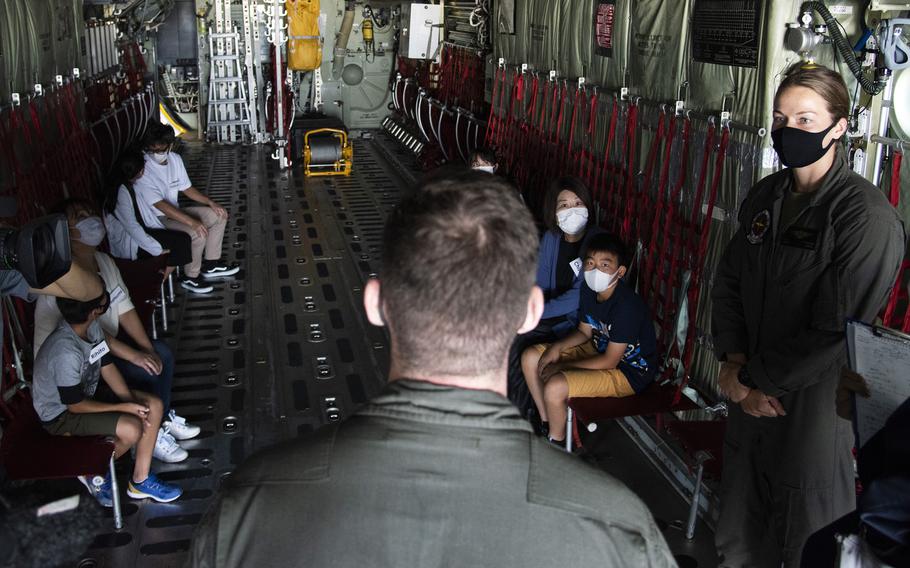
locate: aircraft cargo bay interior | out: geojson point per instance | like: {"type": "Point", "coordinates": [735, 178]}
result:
{"type": "Point", "coordinates": [454, 283]}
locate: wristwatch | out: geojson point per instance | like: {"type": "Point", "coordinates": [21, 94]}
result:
{"type": "Point", "coordinates": [745, 378]}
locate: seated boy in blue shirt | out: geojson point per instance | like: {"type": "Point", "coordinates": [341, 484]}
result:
{"type": "Point", "coordinates": [610, 354]}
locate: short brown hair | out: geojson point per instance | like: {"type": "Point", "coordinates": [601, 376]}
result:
{"type": "Point", "coordinates": [827, 83]}
{"type": "Point", "coordinates": [458, 262]}
{"type": "Point", "coordinates": [567, 183]}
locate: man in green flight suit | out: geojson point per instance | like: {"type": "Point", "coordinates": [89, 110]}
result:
{"type": "Point", "coordinates": [439, 469]}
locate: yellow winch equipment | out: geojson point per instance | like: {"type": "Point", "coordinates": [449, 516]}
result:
{"type": "Point", "coordinates": [328, 155]}
{"type": "Point", "coordinates": [304, 41]}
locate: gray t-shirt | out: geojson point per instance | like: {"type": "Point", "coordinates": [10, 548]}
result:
{"type": "Point", "coordinates": [66, 370]}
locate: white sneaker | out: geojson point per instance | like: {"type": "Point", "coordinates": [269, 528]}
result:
{"type": "Point", "coordinates": [178, 428]}
{"type": "Point", "coordinates": [167, 449]}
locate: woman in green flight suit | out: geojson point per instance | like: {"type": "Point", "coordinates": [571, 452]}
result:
{"type": "Point", "coordinates": [817, 245]}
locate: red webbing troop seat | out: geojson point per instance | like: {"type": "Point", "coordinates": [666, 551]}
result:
{"type": "Point", "coordinates": [445, 103]}
{"type": "Point", "coordinates": [28, 451]}
{"type": "Point", "coordinates": [145, 289]}
{"type": "Point", "coordinates": [655, 399]}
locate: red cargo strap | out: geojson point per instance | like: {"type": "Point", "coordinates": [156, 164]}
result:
{"type": "Point", "coordinates": [569, 153]}
{"type": "Point", "coordinates": [506, 124]}
{"type": "Point", "coordinates": [640, 203]}
{"type": "Point", "coordinates": [891, 318]}
{"type": "Point", "coordinates": [673, 223]}
{"type": "Point", "coordinates": [657, 213]}
{"type": "Point", "coordinates": [622, 171]}
{"type": "Point", "coordinates": [16, 123]}
{"type": "Point", "coordinates": [699, 261]}
{"type": "Point", "coordinates": [7, 144]}
{"type": "Point", "coordinates": [896, 159]}
{"type": "Point", "coordinates": [601, 194]}
{"type": "Point", "coordinates": [527, 132]}
{"type": "Point", "coordinates": [557, 112]}
{"type": "Point", "coordinates": [495, 108]}
{"type": "Point", "coordinates": [586, 169]}
{"type": "Point", "coordinates": [560, 118]}
{"type": "Point", "coordinates": [512, 125]}
{"type": "Point", "coordinates": [630, 175]}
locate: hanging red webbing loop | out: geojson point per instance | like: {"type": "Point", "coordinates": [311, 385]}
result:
{"type": "Point", "coordinates": [672, 227]}
{"type": "Point", "coordinates": [526, 129]}
{"type": "Point", "coordinates": [556, 131]}
{"type": "Point", "coordinates": [622, 171]}
{"type": "Point", "coordinates": [898, 292]}
{"type": "Point", "coordinates": [7, 144]}
{"type": "Point", "coordinates": [557, 112]}
{"type": "Point", "coordinates": [537, 155]}
{"type": "Point", "coordinates": [628, 195]}
{"type": "Point", "coordinates": [512, 129]}
{"type": "Point", "coordinates": [891, 318]}
{"type": "Point", "coordinates": [606, 166]}
{"type": "Point", "coordinates": [569, 154]}
{"type": "Point", "coordinates": [495, 121]}
{"type": "Point", "coordinates": [656, 213]}
{"type": "Point", "coordinates": [699, 261]}
{"type": "Point", "coordinates": [586, 169]}
{"type": "Point", "coordinates": [632, 222]}
{"type": "Point", "coordinates": [896, 158]}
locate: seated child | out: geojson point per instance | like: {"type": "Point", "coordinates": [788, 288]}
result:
{"type": "Point", "coordinates": [610, 354]}
{"type": "Point", "coordinates": [127, 234]}
{"type": "Point", "coordinates": [157, 193]}
{"type": "Point", "coordinates": [146, 364]}
{"type": "Point", "coordinates": [68, 368]}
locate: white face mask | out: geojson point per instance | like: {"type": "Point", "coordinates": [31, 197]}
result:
{"type": "Point", "coordinates": [572, 221]}
{"type": "Point", "coordinates": [600, 281]}
{"type": "Point", "coordinates": [488, 169]}
{"type": "Point", "coordinates": [160, 157]}
{"type": "Point", "coordinates": [91, 231]}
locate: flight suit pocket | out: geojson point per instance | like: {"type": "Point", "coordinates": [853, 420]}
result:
{"type": "Point", "coordinates": [797, 265]}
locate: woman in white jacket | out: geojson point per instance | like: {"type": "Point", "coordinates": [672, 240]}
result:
{"type": "Point", "coordinates": [128, 236]}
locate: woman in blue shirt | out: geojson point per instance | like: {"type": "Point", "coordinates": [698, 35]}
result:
{"type": "Point", "coordinates": [569, 216]}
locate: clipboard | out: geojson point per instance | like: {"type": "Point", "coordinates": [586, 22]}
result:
{"type": "Point", "coordinates": [882, 357]}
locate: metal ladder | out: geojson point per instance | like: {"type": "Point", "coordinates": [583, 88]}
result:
{"type": "Point", "coordinates": [228, 106]}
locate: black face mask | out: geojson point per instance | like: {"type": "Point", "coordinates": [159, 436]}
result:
{"type": "Point", "coordinates": [797, 148]}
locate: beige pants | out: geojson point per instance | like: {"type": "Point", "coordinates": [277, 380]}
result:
{"type": "Point", "coordinates": [210, 245]}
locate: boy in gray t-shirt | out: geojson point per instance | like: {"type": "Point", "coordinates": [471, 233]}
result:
{"type": "Point", "coordinates": [68, 368]}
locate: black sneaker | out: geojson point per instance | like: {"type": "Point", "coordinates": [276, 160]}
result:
{"type": "Point", "coordinates": [195, 286]}
{"type": "Point", "coordinates": [219, 270]}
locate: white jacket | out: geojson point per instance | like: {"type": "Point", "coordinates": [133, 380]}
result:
{"type": "Point", "coordinates": [125, 235]}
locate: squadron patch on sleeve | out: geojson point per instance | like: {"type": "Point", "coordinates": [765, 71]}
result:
{"type": "Point", "coordinates": [759, 227]}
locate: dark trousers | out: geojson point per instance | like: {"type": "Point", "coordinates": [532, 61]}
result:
{"type": "Point", "coordinates": [158, 385]}
{"type": "Point", "coordinates": [177, 242]}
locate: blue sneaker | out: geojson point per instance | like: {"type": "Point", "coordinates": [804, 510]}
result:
{"type": "Point", "coordinates": [99, 488]}
{"type": "Point", "coordinates": [152, 488]}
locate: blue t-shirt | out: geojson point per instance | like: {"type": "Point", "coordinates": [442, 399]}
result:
{"type": "Point", "coordinates": [624, 318]}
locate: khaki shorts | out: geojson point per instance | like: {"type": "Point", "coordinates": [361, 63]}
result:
{"type": "Point", "coordinates": [88, 424]}
{"type": "Point", "coordinates": [591, 383]}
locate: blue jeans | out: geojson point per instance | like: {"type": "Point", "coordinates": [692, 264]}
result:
{"type": "Point", "coordinates": [140, 379]}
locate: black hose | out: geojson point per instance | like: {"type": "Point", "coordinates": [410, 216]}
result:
{"type": "Point", "coordinates": [871, 87]}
